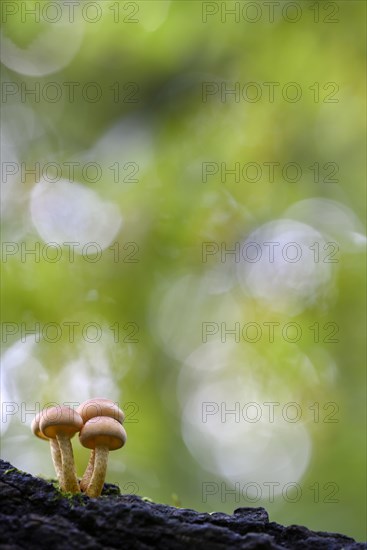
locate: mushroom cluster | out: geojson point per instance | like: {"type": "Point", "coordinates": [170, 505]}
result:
{"type": "Point", "coordinates": [99, 424]}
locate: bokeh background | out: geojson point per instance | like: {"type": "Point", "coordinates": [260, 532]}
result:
{"type": "Point", "coordinates": [149, 212]}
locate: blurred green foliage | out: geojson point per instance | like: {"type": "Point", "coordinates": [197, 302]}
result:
{"type": "Point", "coordinates": [163, 62]}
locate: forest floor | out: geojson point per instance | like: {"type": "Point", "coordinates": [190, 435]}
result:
{"type": "Point", "coordinates": [35, 515]}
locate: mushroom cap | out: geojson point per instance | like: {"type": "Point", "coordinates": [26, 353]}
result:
{"type": "Point", "coordinates": [99, 406]}
{"type": "Point", "coordinates": [103, 431]}
{"type": "Point", "coordinates": [60, 420]}
{"type": "Point", "coordinates": [35, 427]}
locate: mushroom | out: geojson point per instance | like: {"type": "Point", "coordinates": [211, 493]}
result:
{"type": "Point", "coordinates": [54, 446]}
{"type": "Point", "coordinates": [98, 406]}
{"type": "Point", "coordinates": [62, 423]}
{"type": "Point", "coordinates": [103, 434]}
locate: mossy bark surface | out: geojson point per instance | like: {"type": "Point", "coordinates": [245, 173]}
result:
{"type": "Point", "coordinates": [34, 515]}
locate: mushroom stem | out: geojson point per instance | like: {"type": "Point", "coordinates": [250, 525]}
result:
{"type": "Point", "coordinates": [88, 472]}
{"type": "Point", "coordinates": [69, 480]}
{"type": "Point", "coordinates": [56, 458]}
{"type": "Point", "coordinates": [95, 486]}
{"type": "Point", "coordinates": [54, 446]}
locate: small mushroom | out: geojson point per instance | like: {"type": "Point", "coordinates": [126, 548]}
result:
{"type": "Point", "coordinates": [62, 423]}
{"type": "Point", "coordinates": [98, 406]}
{"type": "Point", "coordinates": [103, 434]}
{"type": "Point", "coordinates": [54, 446]}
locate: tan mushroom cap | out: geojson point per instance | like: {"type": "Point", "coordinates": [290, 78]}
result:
{"type": "Point", "coordinates": [60, 421]}
{"type": "Point", "coordinates": [103, 431]}
{"type": "Point", "coordinates": [99, 406]}
{"type": "Point", "coordinates": [35, 427]}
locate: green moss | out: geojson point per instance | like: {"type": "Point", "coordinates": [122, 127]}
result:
{"type": "Point", "coordinates": [55, 484]}
{"type": "Point", "coordinates": [74, 499]}
{"type": "Point", "coordinates": [112, 491]}
{"type": "Point", "coordinates": [176, 501]}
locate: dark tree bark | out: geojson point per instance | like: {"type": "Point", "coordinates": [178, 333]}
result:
{"type": "Point", "coordinates": [34, 515]}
